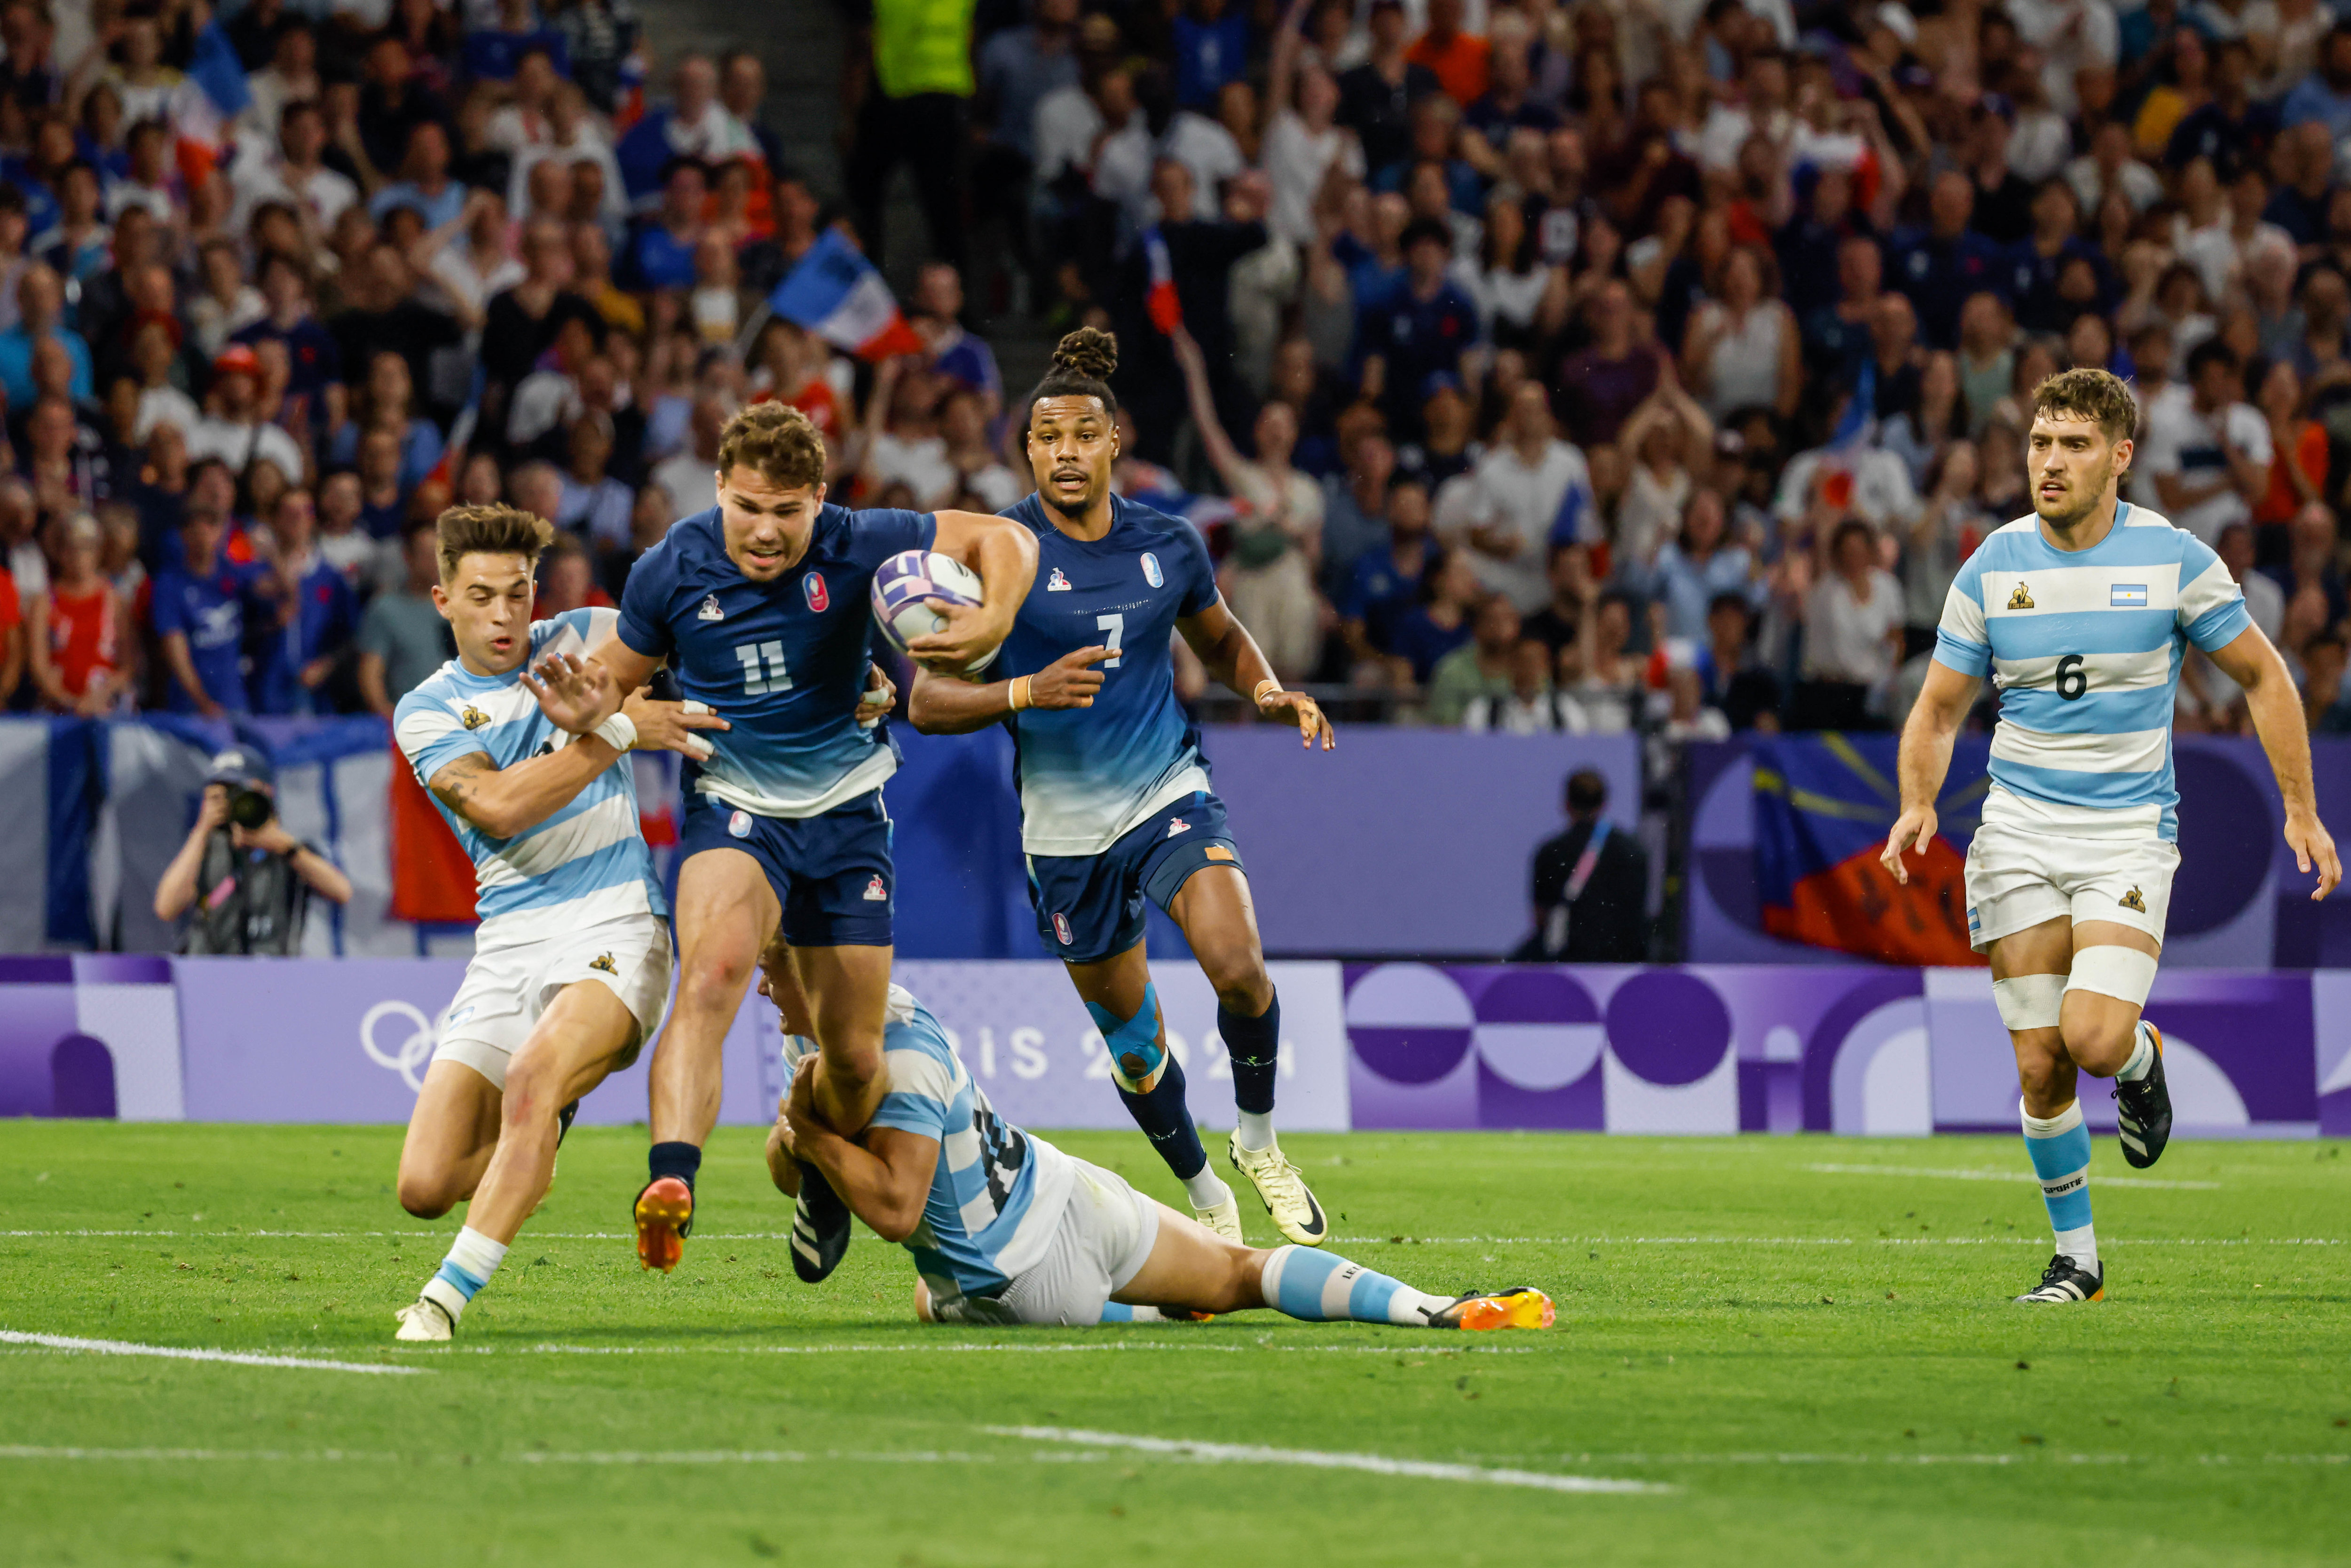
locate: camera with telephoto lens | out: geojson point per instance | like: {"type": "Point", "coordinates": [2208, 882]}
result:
{"type": "Point", "coordinates": [251, 782]}
{"type": "Point", "coordinates": [249, 807]}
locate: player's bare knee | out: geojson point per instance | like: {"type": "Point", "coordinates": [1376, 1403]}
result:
{"type": "Point", "coordinates": [1239, 976]}
{"type": "Point", "coordinates": [533, 1083]}
{"type": "Point", "coordinates": [714, 982]}
{"type": "Point", "coordinates": [2046, 1079]}
{"type": "Point", "coordinates": [2098, 1042]}
{"type": "Point", "coordinates": [426, 1194]}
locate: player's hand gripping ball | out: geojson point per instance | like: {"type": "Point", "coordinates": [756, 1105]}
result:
{"type": "Point", "coordinates": [905, 582]}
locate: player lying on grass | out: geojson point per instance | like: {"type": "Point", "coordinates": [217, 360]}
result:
{"type": "Point", "coordinates": [570, 964]}
{"type": "Point", "coordinates": [1007, 1228]}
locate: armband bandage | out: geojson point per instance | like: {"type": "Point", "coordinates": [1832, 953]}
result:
{"type": "Point", "coordinates": [2113, 970]}
{"type": "Point", "coordinates": [1021, 696]}
{"type": "Point", "coordinates": [2029, 1001]}
{"type": "Point", "coordinates": [1264, 686]}
{"type": "Point", "coordinates": [620, 732]}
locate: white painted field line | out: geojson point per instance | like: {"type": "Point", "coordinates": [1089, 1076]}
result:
{"type": "Point", "coordinates": [2010, 1175]}
{"type": "Point", "coordinates": [950, 1347]}
{"type": "Point", "coordinates": [180, 1352]}
{"type": "Point", "coordinates": [1317, 1459]}
{"type": "Point", "coordinates": [788, 1457]}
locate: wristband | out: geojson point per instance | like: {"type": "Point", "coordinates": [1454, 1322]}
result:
{"type": "Point", "coordinates": [620, 732]}
{"type": "Point", "coordinates": [1271, 683]}
{"type": "Point", "coordinates": [1021, 695]}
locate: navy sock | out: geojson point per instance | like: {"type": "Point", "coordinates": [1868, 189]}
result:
{"type": "Point", "coordinates": [680, 1160]}
{"type": "Point", "coordinates": [1253, 1044]}
{"type": "Point", "coordinates": [1164, 1120]}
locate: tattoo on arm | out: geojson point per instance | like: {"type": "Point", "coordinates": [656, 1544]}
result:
{"type": "Point", "coordinates": [454, 785]}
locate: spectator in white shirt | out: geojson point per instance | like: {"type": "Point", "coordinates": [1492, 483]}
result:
{"type": "Point", "coordinates": [2207, 454]}
{"type": "Point", "coordinates": [690, 479]}
{"type": "Point", "coordinates": [1519, 493]}
{"type": "Point", "coordinates": [233, 430]}
{"type": "Point", "coordinates": [1853, 634]}
{"type": "Point", "coordinates": [1302, 139]}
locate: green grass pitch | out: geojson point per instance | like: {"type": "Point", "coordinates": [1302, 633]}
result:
{"type": "Point", "coordinates": [1805, 1345]}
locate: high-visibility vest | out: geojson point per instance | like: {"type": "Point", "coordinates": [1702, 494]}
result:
{"type": "Point", "coordinates": [922, 45]}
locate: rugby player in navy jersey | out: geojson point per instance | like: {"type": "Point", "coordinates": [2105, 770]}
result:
{"type": "Point", "coordinates": [761, 607]}
{"type": "Point", "coordinates": [1114, 801]}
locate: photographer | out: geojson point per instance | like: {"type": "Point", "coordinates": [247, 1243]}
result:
{"type": "Point", "coordinates": [249, 879]}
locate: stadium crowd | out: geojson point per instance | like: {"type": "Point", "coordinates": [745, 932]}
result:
{"type": "Point", "coordinates": [1630, 364]}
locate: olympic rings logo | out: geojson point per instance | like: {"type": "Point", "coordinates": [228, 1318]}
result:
{"type": "Point", "coordinates": [410, 1056]}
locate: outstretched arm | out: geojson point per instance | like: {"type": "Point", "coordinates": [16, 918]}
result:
{"type": "Point", "coordinates": [948, 705]}
{"type": "Point", "coordinates": [578, 695]}
{"type": "Point", "coordinates": [1222, 457]}
{"type": "Point", "coordinates": [1232, 658]}
{"type": "Point", "coordinates": [1925, 760]}
{"type": "Point", "coordinates": [2251, 662]}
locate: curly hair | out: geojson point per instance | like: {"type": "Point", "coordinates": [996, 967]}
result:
{"type": "Point", "coordinates": [492, 529]}
{"type": "Point", "coordinates": [2093, 394]}
{"type": "Point", "coordinates": [1083, 362]}
{"type": "Point", "coordinates": [776, 441]}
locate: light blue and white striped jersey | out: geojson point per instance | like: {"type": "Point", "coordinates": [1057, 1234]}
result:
{"type": "Point", "coordinates": [997, 1195]}
{"type": "Point", "coordinates": [588, 861]}
{"type": "Point", "coordinates": [2084, 647]}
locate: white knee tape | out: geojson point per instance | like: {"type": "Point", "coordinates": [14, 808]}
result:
{"type": "Point", "coordinates": [2113, 970]}
{"type": "Point", "coordinates": [2029, 1001]}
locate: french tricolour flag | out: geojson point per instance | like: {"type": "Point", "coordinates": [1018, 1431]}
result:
{"type": "Point", "coordinates": [835, 293]}
{"type": "Point", "coordinates": [211, 94]}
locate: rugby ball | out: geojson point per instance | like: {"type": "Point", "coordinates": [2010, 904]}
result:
{"type": "Point", "coordinates": [906, 580]}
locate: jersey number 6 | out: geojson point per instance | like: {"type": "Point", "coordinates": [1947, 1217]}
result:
{"type": "Point", "coordinates": [775, 678]}
{"type": "Point", "coordinates": [2070, 680]}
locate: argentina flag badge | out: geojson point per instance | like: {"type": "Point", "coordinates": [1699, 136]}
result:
{"type": "Point", "coordinates": [1151, 570]}
{"type": "Point", "coordinates": [2129, 596]}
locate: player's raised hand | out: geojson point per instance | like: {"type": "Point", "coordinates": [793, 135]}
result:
{"type": "Point", "coordinates": [670, 727]}
{"type": "Point", "coordinates": [972, 632]}
{"type": "Point", "coordinates": [1070, 681]}
{"type": "Point", "coordinates": [1913, 830]}
{"type": "Point", "coordinates": [576, 694]}
{"type": "Point", "coordinates": [1311, 722]}
{"type": "Point", "coordinates": [2313, 845]}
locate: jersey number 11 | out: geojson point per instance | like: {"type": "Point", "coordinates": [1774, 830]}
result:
{"type": "Point", "coordinates": [775, 678]}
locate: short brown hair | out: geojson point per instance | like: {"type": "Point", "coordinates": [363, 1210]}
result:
{"type": "Point", "coordinates": [492, 529]}
{"type": "Point", "coordinates": [777, 441]}
{"type": "Point", "coordinates": [2093, 394]}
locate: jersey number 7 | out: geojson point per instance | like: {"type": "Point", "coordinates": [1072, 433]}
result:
{"type": "Point", "coordinates": [1115, 625]}
{"type": "Point", "coordinates": [775, 678]}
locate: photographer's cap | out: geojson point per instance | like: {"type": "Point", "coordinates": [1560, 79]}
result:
{"type": "Point", "coordinates": [243, 764]}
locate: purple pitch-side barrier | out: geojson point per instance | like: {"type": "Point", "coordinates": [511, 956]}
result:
{"type": "Point", "coordinates": [258, 1039]}
{"type": "Point", "coordinates": [1766, 1049]}
{"type": "Point", "coordinates": [1698, 1049]}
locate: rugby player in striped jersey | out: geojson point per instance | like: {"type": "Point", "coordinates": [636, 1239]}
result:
{"type": "Point", "coordinates": [2081, 615]}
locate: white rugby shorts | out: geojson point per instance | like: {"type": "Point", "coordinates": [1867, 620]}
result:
{"type": "Point", "coordinates": [2017, 879]}
{"type": "Point", "coordinates": [1105, 1235]}
{"type": "Point", "coordinates": [508, 987]}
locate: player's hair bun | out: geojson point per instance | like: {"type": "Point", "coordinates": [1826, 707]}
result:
{"type": "Point", "coordinates": [1088, 351]}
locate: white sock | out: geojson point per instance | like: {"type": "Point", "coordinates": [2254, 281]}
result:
{"type": "Point", "coordinates": [2142, 1059]}
{"type": "Point", "coordinates": [2081, 1246]}
{"type": "Point", "coordinates": [1208, 1188]}
{"type": "Point", "coordinates": [1255, 1130]}
{"type": "Point", "coordinates": [472, 1259]}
